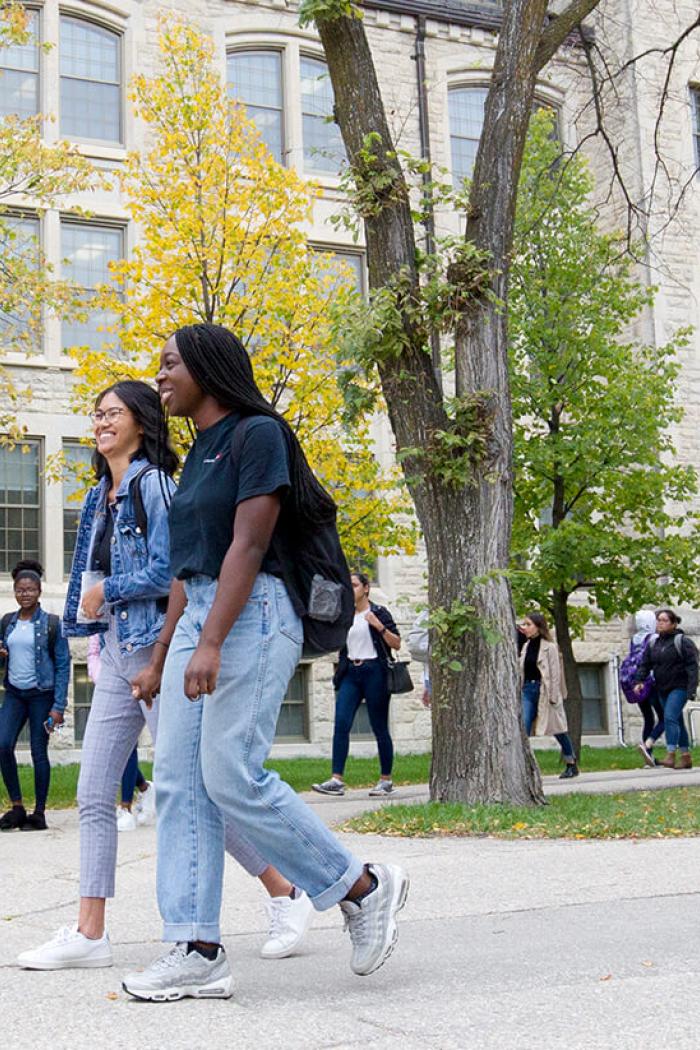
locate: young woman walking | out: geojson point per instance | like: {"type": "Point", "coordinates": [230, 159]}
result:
{"type": "Point", "coordinates": [233, 640]}
{"type": "Point", "coordinates": [37, 670]}
{"type": "Point", "coordinates": [131, 449]}
{"type": "Point", "coordinates": [673, 660]}
{"type": "Point", "coordinates": [543, 689]}
{"type": "Point", "coordinates": [362, 675]}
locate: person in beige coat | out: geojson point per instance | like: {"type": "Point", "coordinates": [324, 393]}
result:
{"type": "Point", "coordinates": [543, 689]}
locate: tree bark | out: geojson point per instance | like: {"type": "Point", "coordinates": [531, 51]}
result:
{"type": "Point", "coordinates": [480, 753]}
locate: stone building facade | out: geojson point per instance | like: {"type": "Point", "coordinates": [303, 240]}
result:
{"type": "Point", "coordinates": [277, 69]}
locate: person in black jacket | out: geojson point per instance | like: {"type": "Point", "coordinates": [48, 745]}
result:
{"type": "Point", "coordinates": [362, 675]}
{"type": "Point", "coordinates": [673, 660]}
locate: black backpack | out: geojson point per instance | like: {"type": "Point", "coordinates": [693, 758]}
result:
{"type": "Point", "coordinates": [316, 576]}
{"type": "Point", "coordinates": [53, 626]}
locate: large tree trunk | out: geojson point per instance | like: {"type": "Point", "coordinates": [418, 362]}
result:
{"type": "Point", "coordinates": [479, 750]}
{"type": "Point", "coordinates": [574, 701]}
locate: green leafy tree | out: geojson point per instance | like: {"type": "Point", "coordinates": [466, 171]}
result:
{"type": "Point", "coordinates": [597, 527]}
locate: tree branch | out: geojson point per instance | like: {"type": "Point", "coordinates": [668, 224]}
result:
{"type": "Point", "coordinates": [560, 27]}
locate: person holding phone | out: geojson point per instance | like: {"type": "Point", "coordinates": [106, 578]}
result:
{"type": "Point", "coordinates": [37, 669]}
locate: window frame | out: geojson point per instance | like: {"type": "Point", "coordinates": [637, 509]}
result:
{"type": "Point", "coordinates": [695, 124]}
{"type": "Point", "coordinates": [35, 216]}
{"type": "Point", "coordinates": [304, 668]}
{"type": "Point", "coordinates": [119, 33]}
{"type": "Point", "coordinates": [69, 442]}
{"type": "Point", "coordinates": [110, 223]}
{"type": "Point", "coordinates": [80, 705]}
{"type": "Point", "coordinates": [333, 176]}
{"type": "Point", "coordinates": [280, 51]}
{"type": "Point", "coordinates": [38, 442]}
{"type": "Point", "coordinates": [38, 11]}
{"type": "Point", "coordinates": [601, 668]}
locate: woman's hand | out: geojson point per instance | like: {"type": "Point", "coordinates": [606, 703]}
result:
{"type": "Point", "coordinates": [202, 671]}
{"type": "Point", "coordinates": [373, 620]}
{"type": "Point", "coordinates": [56, 718]}
{"type": "Point", "coordinates": [93, 600]}
{"type": "Point", "coordinates": [146, 685]}
{"type": "Point", "coordinates": [426, 699]}
{"type": "Point", "coordinates": [638, 688]}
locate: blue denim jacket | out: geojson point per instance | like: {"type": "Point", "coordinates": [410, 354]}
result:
{"type": "Point", "coordinates": [140, 572]}
{"type": "Point", "coordinates": [50, 674]}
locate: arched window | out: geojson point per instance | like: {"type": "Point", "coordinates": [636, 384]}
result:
{"type": "Point", "coordinates": [91, 76]}
{"type": "Point", "coordinates": [323, 145]}
{"type": "Point", "coordinates": [255, 78]}
{"type": "Point", "coordinates": [19, 74]}
{"type": "Point", "coordinates": [466, 107]}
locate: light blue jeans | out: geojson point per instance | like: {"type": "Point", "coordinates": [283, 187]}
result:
{"type": "Point", "coordinates": [209, 767]}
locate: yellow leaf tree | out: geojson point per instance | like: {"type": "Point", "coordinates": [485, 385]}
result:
{"type": "Point", "coordinates": [222, 239]}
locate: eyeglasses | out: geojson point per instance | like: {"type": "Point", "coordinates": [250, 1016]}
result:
{"type": "Point", "coordinates": [110, 415]}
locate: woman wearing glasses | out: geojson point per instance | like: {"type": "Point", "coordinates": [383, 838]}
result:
{"type": "Point", "coordinates": [123, 543]}
{"type": "Point", "coordinates": [37, 669]}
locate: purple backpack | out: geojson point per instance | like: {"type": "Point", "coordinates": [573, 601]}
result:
{"type": "Point", "coordinates": [628, 672]}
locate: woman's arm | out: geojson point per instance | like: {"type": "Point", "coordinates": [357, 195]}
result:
{"type": "Point", "coordinates": [554, 673]}
{"type": "Point", "coordinates": [690, 659]}
{"type": "Point", "coordinates": [386, 627]}
{"type": "Point", "coordinates": [254, 525]}
{"type": "Point", "coordinates": [61, 672]}
{"type": "Point", "coordinates": [146, 684]}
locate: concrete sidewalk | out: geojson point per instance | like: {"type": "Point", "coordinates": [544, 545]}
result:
{"type": "Point", "coordinates": [525, 945]}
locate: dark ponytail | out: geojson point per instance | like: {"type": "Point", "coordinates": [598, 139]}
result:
{"type": "Point", "coordinates": [220, 365]}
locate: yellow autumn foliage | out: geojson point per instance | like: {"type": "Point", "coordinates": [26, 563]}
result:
{"type": "Point", "coordinates": [223, 239]}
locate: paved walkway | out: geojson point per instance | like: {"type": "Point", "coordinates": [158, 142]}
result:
{"type": "Point", "coordinates": [504, 944]}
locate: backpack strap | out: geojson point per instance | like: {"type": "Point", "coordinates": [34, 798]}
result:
{"type": "Point", "coordinates": [4, 624]}
{"type": "Point", "coordinates": [53, 634]}
{"type": "Point", "coordinates": [137, 498]}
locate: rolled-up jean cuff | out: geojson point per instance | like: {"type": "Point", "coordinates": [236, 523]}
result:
{"type": "Point", "coordinates": [209, 932]}
{"type": "Point", "coordinates": [339, 890]}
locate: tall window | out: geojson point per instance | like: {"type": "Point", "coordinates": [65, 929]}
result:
{"type": "Point", "coordinates": [594, 713]}
{"type": "Point", "coordinates": [466, 107]}
{"type": "Point", "coordinates": [255, 78]}
{"type": "Point", "coordinates": [293, 720]}
{"type": "Point", "coordinates": [82, 699]}
{"type": "Point", "coordinates": [87, 250]}
{"type": "Point", "coordinates": [19, 74]}
{"type": "Point", "coordinates": [20, 504]}
{"type": "Point", "coordinates": [19, 239]}
{"type": "Point", "coordinates": [353, 262]}
{"type": "Point", "coordinates": [77, 458]}
{"type": "Point", "coordinates": [695, 103]}
{"type": "Point", "coordinates": [323, 146]}
{"type": "Point", "coordinates": [90, 65]}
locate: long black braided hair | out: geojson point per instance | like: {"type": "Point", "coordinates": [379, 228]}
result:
{"type": "Point", "coordinates": [220, 365]}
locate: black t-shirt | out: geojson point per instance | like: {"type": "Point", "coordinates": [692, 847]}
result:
{"type": "Point", "coordinates": [203, 509]}
{"type": "Point", "coordinates": [531, 671]}
{"type": "Point", "coordinates": [102, 554]}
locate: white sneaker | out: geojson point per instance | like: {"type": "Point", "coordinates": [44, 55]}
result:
{"type": "Point", "coordinates": [146, 805]}
{"type": "Point", "coordinates": [289, 921]}
{"type": "Point", "coordinates": [372, 920]}
{"type": "Point", "coordinates": [383, 787]}
{"type": "Point", "coordinates": [126, 821]}
{"type": "Point", "coordinates": [179, 974]}
{"type": "Point", "coordinates": [67, 950]}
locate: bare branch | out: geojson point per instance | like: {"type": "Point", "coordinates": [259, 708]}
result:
{"type": "Point", "coordinates": [561, 26]}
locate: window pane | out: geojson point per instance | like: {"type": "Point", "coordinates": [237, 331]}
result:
{"type": "Point", "coordinates": [352, 263]}
{"type": "Point", "coordinates": [594, 710]}
{"type": "Point", "coordinates": [361, 726]}
{"type": "Point", "coordinates": [695, 98]}
{"type": "Point", "coordinates": [76, 456]}
{"type": "Point", "coordinates": [19, 74]}
{"type": "Point", "coordinates": [466, 107]}
{"type": "Point", "coordinates": [255, 78]}
{"type": "Point", "coordinates": [19, 504]}
{"type": "Point", "coordinates": [87, 249]}
{"type": "Point", "coordinates": [90, 64]}
{"type": "Point", "coordinates": [323, 144]}
{"type": "Point", "coordinates": [292, 723]}
{"type": "Point", "coordinates": [19, 239]}
{"type": "Point", "coordinates": [82, 699]}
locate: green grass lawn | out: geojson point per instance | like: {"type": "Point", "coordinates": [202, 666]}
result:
{"type": "Point", "coordinates": [634, 815]}
{"type": "Point", "coordinates": [360, 772]}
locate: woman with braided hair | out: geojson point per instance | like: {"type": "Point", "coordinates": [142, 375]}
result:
{"type": "Point", "coordinates": [233, 640]}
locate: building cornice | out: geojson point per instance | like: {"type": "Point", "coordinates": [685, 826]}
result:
{"type": "Point", "coordinates": [486, 15]}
